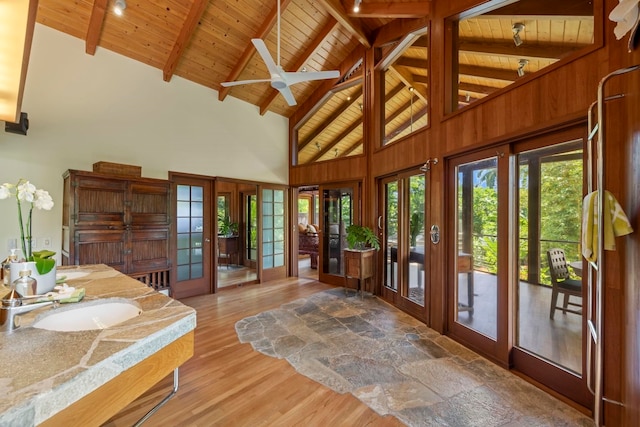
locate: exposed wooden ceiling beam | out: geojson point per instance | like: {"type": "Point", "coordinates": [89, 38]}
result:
{"type": "Point", "coordinates": [249, 50]}
{"type": "Point", "coordinates": [407, 79]}
{"type": "Point", "coordinates": [351, 149]}
{"type": "Point", "coordinates": [325, 123]}
{"type": "Point", "coordinates": [331, 25]}
{"type": "Point", "coordinates": [564, 8]}
{"type": "Point", "coordinates": [546, 51]}
{"type": "Point", "coordinates": [424, 80]}
{"type": "Point", "coordinates": [415, 9]}
{"type": "Point", "coordinates": [335, 9]}
{"type": "Point", "coordinates": [488, 73]}
{"type": "Point", "coordinates": [397, 29]}
{"type": "Point", "coordinates": [188, 27]}
{"type": "Point", "coordinates": [96, 20]}
{"type": "Point", "coordinates": [405, 61]}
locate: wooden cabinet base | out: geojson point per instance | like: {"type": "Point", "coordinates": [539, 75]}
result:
{"type": "Point", "coordinates": [100, 405]}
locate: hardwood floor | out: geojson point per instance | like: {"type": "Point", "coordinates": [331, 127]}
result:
{"type": "Point", "coordinates": [229, 384]}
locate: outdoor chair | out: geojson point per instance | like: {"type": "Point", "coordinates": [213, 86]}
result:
{"type": "Point", "coordinates": [562, 284]}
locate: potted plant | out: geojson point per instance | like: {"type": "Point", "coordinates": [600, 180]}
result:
{"type": "Point", "coordinates": [360, 237]}
{"type": "Point", "coordinates": [358, 258]}
{"type": "Point", "coordinates": [226, 227]}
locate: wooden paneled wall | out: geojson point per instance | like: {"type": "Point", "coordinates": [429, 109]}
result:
{"type": "Point", "coordinates": [537, 103]}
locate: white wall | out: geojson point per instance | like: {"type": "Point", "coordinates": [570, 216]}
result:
{"type": "Point", "coordinates": [84, 109]}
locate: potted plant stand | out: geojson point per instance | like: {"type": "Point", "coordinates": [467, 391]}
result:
{"type": "Point", "coordinates": [359, 265]}
{"type": "Point", "coordinates": [359, 257]}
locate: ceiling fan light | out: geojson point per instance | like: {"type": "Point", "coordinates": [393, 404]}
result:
{"type": "Point", "coordinates": [119, 7]}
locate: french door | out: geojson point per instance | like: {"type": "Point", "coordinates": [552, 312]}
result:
{"type": "Point", "coordinates": [193, 259]}
{"type": "Point", "coordinates": [340, 207]}
{"type": "Point", "coordinates": [508, 206]}
{"type": "Point", "coordinates": [404, 246]}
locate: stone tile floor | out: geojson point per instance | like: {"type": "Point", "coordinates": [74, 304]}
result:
{"type": "Point", "coordinates": [396, 365]}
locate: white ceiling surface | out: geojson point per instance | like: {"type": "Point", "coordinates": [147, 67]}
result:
{"type": "Point", "coordinates": [83, 109]}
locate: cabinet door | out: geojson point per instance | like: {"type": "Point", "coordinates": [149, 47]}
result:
{"type": "Point", "coordinates": [149, 204]}
{"type": "Point", "coordinates": [101, 247]}
{"type": "Point", "coordinates": [149, 250]}
{"type": "Point", "coordinates": [98, 201]}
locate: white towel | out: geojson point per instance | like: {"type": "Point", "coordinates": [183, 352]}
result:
{"type": "Point", "coordinates": [614, 220]}
{"type": "Point", "coordinates": [625, 14]}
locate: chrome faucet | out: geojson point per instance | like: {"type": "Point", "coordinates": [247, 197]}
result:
{"type": "Point", "coordinates": [13, 305]}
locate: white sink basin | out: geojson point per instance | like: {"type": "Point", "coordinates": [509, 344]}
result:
{"type": "Point", "coordinates": [87, 316]}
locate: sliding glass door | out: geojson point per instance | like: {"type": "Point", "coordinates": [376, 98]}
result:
{"type": "Point", "coordinates": [516, 214]}
{"type": "Point", "coordinates": [403, 241]}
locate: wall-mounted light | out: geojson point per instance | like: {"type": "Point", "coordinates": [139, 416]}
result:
{"type": "Point", "coordinates": [119, 7]}
{"type": "Point", "coordinates": [521, 64]}
{"type": "Point", "coordinates": [517, 28]}
{"type": "Point", "coordinates": [356, 6]}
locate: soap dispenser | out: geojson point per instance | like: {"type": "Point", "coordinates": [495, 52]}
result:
{"type": "Point", "coordinates": [6, 267]}
{"type": "Point", "coordinates": [25, 285]}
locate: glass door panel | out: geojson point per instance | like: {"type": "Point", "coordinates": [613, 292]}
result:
{"type": "Point", "coordinates": [339, 210]}
{"type": "Point", "coordinates": [550, 210]}
{"type": "Point", "coordinates": [251, 221]}
{"type": "Point", "coordinates": [476, 289]}
{"type": "Point", "coordinates": [390, 241]}
{"type": "Point", "coordinates": [193, 238]}
{"type": "Point", "coordinates": [415, 245]}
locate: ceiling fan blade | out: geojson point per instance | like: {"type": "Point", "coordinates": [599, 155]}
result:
{"type": "Point", "coordinates": [243, 82]}
{"type": "Point", "coordinates": [266, 56]}
{"type": "Point", "coordinates": [299, 77]}
{"type": "Point", "coordinates": [288, 96]}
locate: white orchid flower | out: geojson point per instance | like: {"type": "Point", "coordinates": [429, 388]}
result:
{"type": "Point", "coordinates": [26, 191]}
{"type": "Point", "coordinates": [5, 190]}
{"type": "Point", "coordinates": [43, 200]}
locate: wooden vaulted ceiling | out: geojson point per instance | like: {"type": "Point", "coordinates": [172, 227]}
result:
{"type": "Point", "coordinates": [209, 42]}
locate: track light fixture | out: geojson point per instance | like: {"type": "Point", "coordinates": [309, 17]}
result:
{"type": "Point", "coordinates": [356, 6]}
{"type": "Point", "coordinates": [517, 28]}
{"type": "Point", "coordinates": [119, 7]}
{"type": "Point", "coordinates": [521, 64]}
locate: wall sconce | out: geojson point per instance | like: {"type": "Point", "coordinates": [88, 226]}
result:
{"type": "Point", "coordinates": [521, 64]}
{"type": "Point", "coordinates": [17, 21]}
{"type": "Point", "coordinates": [517, 28]}
{"type": "Point", "coordinates": [356, 6]}
{"type": "Point", "coordinates": [119, 7]}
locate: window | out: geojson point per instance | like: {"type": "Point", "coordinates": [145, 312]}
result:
{"type": "Point", "coordinates": [405, 87]}
{"type": "Point", "coordinates": [492, 49]}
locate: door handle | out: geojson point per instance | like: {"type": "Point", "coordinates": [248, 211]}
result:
{"type": "Point", "coordinates": [435, 234]}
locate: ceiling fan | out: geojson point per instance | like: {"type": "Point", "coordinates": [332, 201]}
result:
{"type": "Point", "coordinates": [280, 79]}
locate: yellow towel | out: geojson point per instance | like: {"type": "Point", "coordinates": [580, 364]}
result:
{"type": "Point", "coordinates": [614, 220]}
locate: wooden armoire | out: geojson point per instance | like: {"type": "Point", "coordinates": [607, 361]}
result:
{"type": "Point", "coordinates": [118, 219]}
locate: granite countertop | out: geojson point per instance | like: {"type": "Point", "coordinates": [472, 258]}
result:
{"type": "Point", "coordinates": [42, 372]}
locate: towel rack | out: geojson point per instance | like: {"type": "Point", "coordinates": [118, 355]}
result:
{"type": "Point", "coordinates": [594, 302]}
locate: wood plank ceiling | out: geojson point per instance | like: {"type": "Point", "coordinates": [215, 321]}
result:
{"type": "Point", "coordinates": [209, 42]}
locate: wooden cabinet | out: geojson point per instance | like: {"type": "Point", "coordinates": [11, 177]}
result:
{"type": "Point", "coordinates": [120, 221]}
